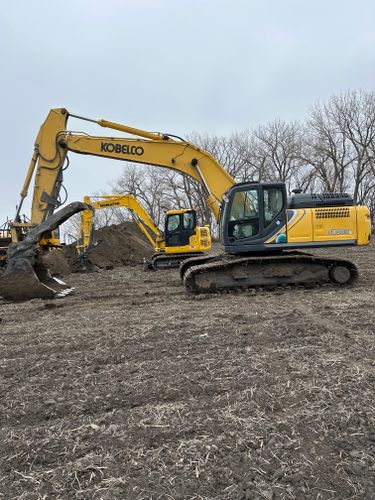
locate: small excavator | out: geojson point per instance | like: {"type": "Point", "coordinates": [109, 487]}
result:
{"type": "Point", "coordinates": [182, 238]}
{"type": "Point", "coordinates": [264, 234]}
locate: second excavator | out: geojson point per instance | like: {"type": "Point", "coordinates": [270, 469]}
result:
{"type": "Point", "coordinates": [264, 234]}
{"type": "Point", "coordinates": [181, 238]}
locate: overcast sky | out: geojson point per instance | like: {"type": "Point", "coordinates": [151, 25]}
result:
{"type": "Point", "coordinates": [210, 66]}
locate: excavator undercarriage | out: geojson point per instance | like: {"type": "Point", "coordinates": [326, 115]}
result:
{"type": "Point", "coordinates": [169, 261]}
{"type": "Point", "coordinates": [230, 272]}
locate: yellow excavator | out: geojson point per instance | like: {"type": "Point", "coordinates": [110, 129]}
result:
{"type": "Point", "coordinates": [5, 240]}
{"type": "Point", "coordinates": [263, 233]}
{"type": "Point", "coordinates": [12, 232]}
{"type": "Point", "coordinates": [182, 238]}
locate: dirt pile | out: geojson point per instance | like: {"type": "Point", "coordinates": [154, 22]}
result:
{"type": "Point", "coordinates": [119, 245]}
{"type": "Point", "coordinates": [116, 245]}
{"type": "Point", "coordinates": [60, 261]}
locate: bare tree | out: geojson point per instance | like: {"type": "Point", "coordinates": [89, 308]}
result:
{"type": "Point", "coordinates": [342, 142]}
{"type": "Point", "coordinates": [276, 152]}
{"type": "Point", "coordinates": [148, 185]}
{"type": "Point", "coordinates": [230, 151]}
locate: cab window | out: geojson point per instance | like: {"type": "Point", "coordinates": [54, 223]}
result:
{"type": "Point", "coordinates": [273, 203]}
{"type": "Point", "coordinates": [244, 214]}
{"type": "Point", "coordinates": [188, 220]}
{"type": "Point", "coordinates": [173, 222]}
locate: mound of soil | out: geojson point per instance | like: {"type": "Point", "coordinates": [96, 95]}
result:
{"type": "Point", "coordinates": [60, 261]}
{"type": "Point", "coordinates": [116, 245]}
{"type": "Point", "coordinates": [119, 245]}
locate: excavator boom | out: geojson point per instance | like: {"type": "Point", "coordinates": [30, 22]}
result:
{"type": "Point", "coordinates": [128, 201]}
{"type": "Point", "coordinates": [54, 142]}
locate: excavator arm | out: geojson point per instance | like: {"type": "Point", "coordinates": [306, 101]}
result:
{"type": "Point", "coordinates": [26, 275]}
{"type": "Point", "coordinates": [129, 201]}
{"type": "Point", "coordinates": [54, 142]}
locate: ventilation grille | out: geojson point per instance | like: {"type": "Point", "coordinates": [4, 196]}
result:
{"type": "Point", "coordinates": [331, 196]}
{"type": "Point", "coordinates": [205, 243]}
{"type": "Point", "coordinates": [332, 213]}
{"type": "Point", "coordinates": [204, 233]}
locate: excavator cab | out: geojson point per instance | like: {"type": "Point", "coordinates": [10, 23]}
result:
{"type": "Point", "coordinates": [259, 217]}
{"type": "Point", "coordinates": [180, 225]}
{"type": "Point", "coordinates": [183, 239]}
{"type": "Point", "coordinates": [252, 213]}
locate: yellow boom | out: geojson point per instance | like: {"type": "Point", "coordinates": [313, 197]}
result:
{"type": "Point", "coordinates": [54, 142]}
{"type": "Point", "coordinates": [129, 201]}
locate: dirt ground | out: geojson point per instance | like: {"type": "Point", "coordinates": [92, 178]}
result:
{"type": "Point", "coordinates": [133, 389]}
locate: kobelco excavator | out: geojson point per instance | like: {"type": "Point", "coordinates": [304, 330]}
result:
{"type": "Point", "coordinates": [264, 234]}
{"type": "Point", "coordinates": [181, 238]}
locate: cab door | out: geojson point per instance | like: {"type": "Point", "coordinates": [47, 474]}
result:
{"type": "Point", "coordinates": [179, 227]}
{"type": "Point", "coordinates": [252, 213]}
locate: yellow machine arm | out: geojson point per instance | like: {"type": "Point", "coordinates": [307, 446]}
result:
{"type": "Point", "coordinates": [129, 201]}
{"type": "Point", "coordinates": [54, 142]}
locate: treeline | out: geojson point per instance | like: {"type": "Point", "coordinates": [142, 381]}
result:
{"type": "Point", "coordinates": [333, 150]}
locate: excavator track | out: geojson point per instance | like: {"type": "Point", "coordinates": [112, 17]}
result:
{"type": "Point", "coordinates": [226, 272]}
{"type": "Point", "coordinates": [168, 261]}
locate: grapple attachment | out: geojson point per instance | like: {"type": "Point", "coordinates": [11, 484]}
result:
{"type": "Point", "coordinates": [25, 276]}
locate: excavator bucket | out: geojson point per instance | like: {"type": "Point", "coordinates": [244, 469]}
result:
{"type": "Point", "coordinates": [25, 276]}
{"type": "Point", "coordinates": [24, 281]}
